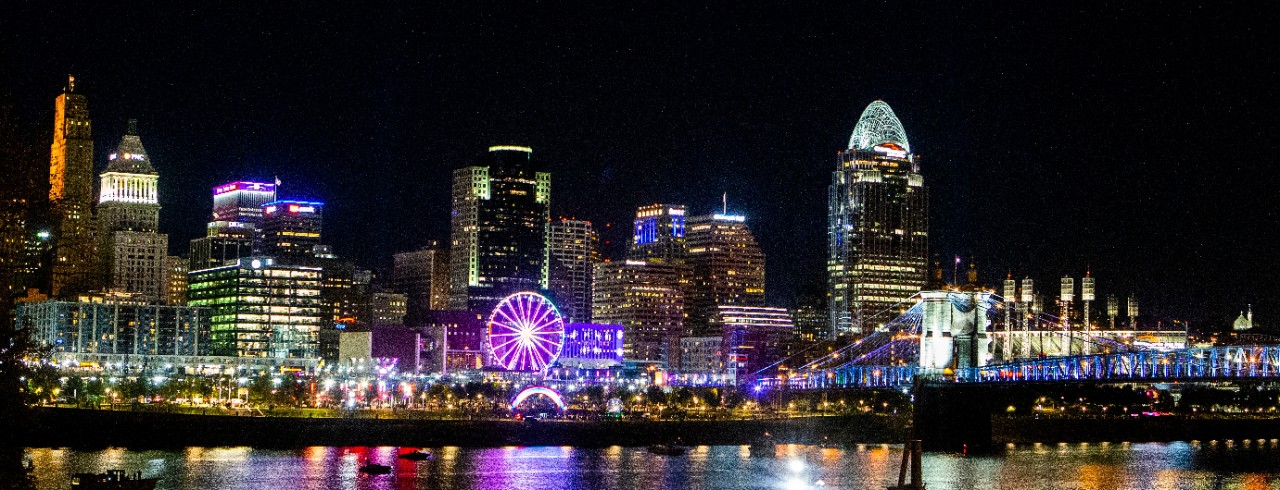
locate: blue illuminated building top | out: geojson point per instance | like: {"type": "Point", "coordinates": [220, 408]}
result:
{"type": "Point", "coordinates": [647, 229]}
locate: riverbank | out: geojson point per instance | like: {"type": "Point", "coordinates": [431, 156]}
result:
{"type": "Point", "coordinates": [1025, 430]}
{"type": "Point", "coordinates": [68, 427]}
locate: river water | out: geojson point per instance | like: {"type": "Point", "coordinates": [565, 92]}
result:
{"type": "Point", "coordinates": [1179, 465]}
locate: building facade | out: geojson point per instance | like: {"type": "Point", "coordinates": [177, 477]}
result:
{"type": "Point", "coordinates": [117, 325]}
{"type": "Point", "coordinates": [242, 201]}
{"type": "Point", "coordinates": [501, 205]}
{"type": "Point", "coordinates": [754, 338]}
{"type": "Point", "coordinates": [131, 250]}
{"type": "Point", "coordinates": [261, 308]}
{"type": "Point", "coordinates": [572, 252]}
{"type": "Point", "coordinates": [175, 280]}
{"type": "Point", "coordinates": [387, 309]}
{"type": "Point", "coordinates": [291, 229]}
{"type": "Point", "coordinates": [727, 267]}
{"type": "Point", "coordinates": [647, 299]}
{"type": "Point", "coordinates": [453, 340]}
{"type": "Point", "coordinates": [592, 346]}
{"type": "Point", "coordinates": [877, 225]}
{"type": "Point", "coordinates": [423, 276]}
{"type": "Point", "coordinates": [75, 268]}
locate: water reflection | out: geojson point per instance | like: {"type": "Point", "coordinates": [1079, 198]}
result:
{"type": "Point", "coordinates": [1194, 465]}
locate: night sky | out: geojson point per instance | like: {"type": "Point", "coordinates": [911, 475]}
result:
{"type": "Point", "coordinates": [1136, 140]}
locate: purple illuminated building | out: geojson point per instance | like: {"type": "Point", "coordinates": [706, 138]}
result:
{"type": "Point", "coordinates": [591, 345]}
{"type": "Point", "coordinates": [453, 340]}
{"type": "Point", "coordinates": [397, 342]}
{"type": "Point", "coordinates": [241, 201]}
{"type": "Point", "coordinates": [752, 338]}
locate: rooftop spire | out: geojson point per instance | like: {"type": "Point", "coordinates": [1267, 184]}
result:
{"type": "Point", "coordinates": [130, 157]}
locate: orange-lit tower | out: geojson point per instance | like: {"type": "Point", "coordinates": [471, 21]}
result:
{"type": "Point", "coordinates": [71, 194]}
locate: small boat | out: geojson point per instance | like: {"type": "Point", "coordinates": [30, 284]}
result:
{"type": "Point", "coordinates": [668, 449]}
{"type": "Point", "coordinates": [112, 480]}
{"type": "Point", "coordinates": [764, 447]}
{"type": "Point", "coordinates": [828, 444]}
{"type": "Point", "coordinates": [418, 456]}
{"type": "Point", "coordinates": [375, 469]}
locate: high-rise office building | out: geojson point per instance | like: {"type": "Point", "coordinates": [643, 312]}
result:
{"type": "Point", "coordinates": [647, 299]}
{"type": "Point", "coordinates": [261, 308]}
{"type": "Point", "coordinates": [877, 231]}
{"type": "Point", "coordinates": [291, 229]}
{"type": "Point", "coordinates": [423, 277]}
{"type": "Point", "coordinates": [75, 267]}
{"type": "Point", "coordinates": [236, 226]}
{"type": "Point", "coordinates": [242, 201]}
{"type": "Point", "coordinates": [501, 205]}
{"type": "Point", "coordinates": [727, 267]}
{"type": "Point", "coordinates": [659, 234]}
{"type": "Point", "coordinates": [572, 252]}
{"type": "Point", "coordinates": [131, 251]}
{"type": "Point", "coordinates": [224, 242]}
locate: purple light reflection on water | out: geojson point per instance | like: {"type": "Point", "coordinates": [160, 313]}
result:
{"type": "Point", "coordinates": [1173, 465]}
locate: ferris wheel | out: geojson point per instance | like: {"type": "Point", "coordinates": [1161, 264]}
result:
{"type": "Point", "coordinates": [526, 332]}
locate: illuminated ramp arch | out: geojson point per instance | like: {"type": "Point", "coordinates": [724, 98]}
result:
{"type": "Point", "coordinates": [537, 390]}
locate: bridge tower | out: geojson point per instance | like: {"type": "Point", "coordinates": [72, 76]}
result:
{"type": "Point", "coordinates": [955, 330]}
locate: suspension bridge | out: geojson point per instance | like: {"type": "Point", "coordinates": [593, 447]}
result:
{"type": "Point", "coordinates": [976, 338]}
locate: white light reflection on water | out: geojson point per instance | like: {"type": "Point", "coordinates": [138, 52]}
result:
{"type": "Point", "coordinates": [1074, 466]}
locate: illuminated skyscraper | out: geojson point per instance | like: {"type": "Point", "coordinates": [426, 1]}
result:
{"type": "Point", "coordinates": [71, 195]}
{"type": "Point", "coordinates": [571, 255]}
{"type": "Point", "coordinates": [236, 226]}
{"type": "Point", "coordinates": [659, 234]}
{"type": "Point", "coordinates": [647, 300]}
{"type": "Point", "coordinates": [727, 269]}
{"type": "Point", "coordinates": [131, 251]}
{"type": "Point", "coordinates": [501, 205]}
{"type": "Point", "coordinates": [242, 201]}
{"type": "Point", "coordinates": [877, 231]}
{"type": "Point", "coordinates": [291, 229]}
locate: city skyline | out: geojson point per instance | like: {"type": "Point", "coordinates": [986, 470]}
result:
{"type": "Point", "coordinates": [1117, 191]}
